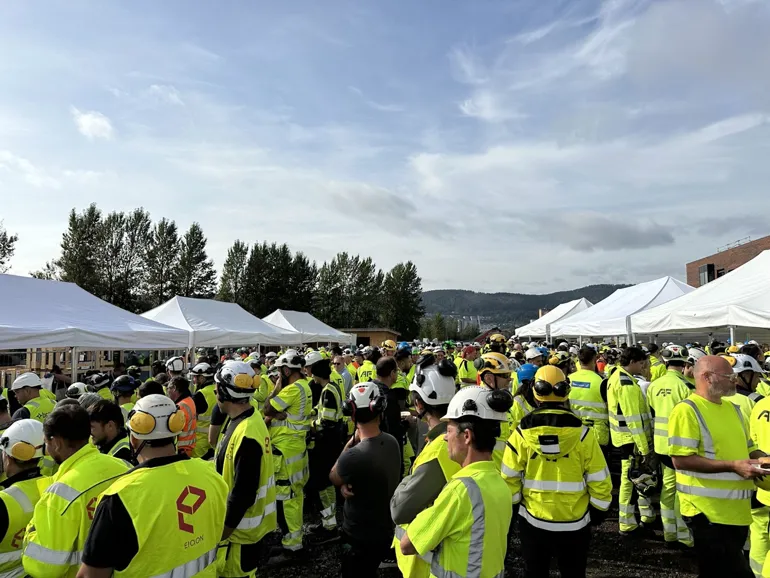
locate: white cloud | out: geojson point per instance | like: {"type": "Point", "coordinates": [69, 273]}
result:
{"type": "Point", "coordinates": [17, 166]}
{"type": "Point", "coordinates": [92, 124]}
{"type": "Point", "coordinates": [164, 93]}
{"type": "Point", "coordinates": [467, 67]}
{"type": "Point", "coordinates": [489, 106]}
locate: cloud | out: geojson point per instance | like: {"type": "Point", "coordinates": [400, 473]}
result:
{"type": "Point", "coordinates": [166, 94]}
{"type": "Point", "coordinates": [29, 172]}
{"type": "Point", "coordinates": [737, 223]}
{"type": "Point", "coordinates": [92, 124]}
{"type": "Point", "coordinates": [487, 106]}
{"type": "Point", "coordinates": [466, 67]}
{"type": "Point", "coordinates": [374, 104]}
{"type": "Point", "coordinates": [589, 231]}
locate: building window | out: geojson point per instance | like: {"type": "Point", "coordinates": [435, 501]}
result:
{"type": "Point", "coordinates": [706, 274]}
{"type": "Point", "coordinates": [721, 273]}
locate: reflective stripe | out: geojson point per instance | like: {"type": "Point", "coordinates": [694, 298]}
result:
{"type": "Point", "coordinates": [516, 498]}
{"type": "Point", "coordinates": [555, 526]}
{"type": "Point", "coordinates": [294, 459]}
{"type": "Point", "coordinates": [328, 511]}
{"type": "Point", "coordinates": [499, 446]}
{"type": "Point", "coordinates": [683, 442]}
{"type": "Point", "coordinates": [583, 402]}
{"type": "Point", "coordinates": [262, 492]}
{"type": "Point", "coordinates": [599, 476]}
{"type": "Point", "coordinates": [193, 567]}
{"type": "Point", "coordinates": [714, 492]}
{"type": "Point", "coordinates": [254, 521]}
{"type": "Point", "coordinates": [590, 413]}
{"type": "Point", "coordinates": [510, 472]}
{"type": "Point", "coordinates": [63, 491]}
{"type": "Point", "coordinates": [48, 556]}
{"type": "Point", "coordinates": [21, 499]}
{"type": "Point", "coordinates": [661, 433]}
{"type": "Point", "coordinates": [17, 572]}
{"type": "Point", "coordinates": [202, 429]}
{"type": "Point", "coordinates": [185, 443]}
{"type": "Point", "coordinates": [280, 402]}
{"type": "Point", "coordinates": [705, 434]}
{"type": "Point", "coordinates": [9, 557]}
{"type": "Point", "coordinates": [299, 476]}
{"type": "Point", "coordinates": [522, 403]}
{"type": "Point", "coordinates": [554, 486]}
{"type": "Point", "coordinates": [660, 420]}
{"type": "Point", "coordinates": [626, 508]}
{"type": "Point", "coordinates": [723, 476]}
{"type": "Point", "coordinates": [601, 504]}
{"type": "Point", "coordinates": [292, 426]}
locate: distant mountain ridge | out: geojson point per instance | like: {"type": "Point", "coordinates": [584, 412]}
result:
{"type": "Point", "coordinates": [506, 309]}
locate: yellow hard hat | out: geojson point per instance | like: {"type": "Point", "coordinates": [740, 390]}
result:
{"type": "Point", "coordinates": [497, 338]}
{"type": "Point", "coordinates": [551, 384]}
{"type": "Point", "coordinates": [733, 349]}
{"type": "Point", "coordinates": [559, 357]}
{"type": "Point", "coordinates": [496, 363]}
{"type": "Point", "coordinates": [389, 345]}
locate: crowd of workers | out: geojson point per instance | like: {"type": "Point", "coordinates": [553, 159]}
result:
{"type": "Point", "coordinates": [439, 453]}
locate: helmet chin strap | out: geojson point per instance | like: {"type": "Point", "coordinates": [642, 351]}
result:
{"type": "Point", "coordinates": [135, 453]}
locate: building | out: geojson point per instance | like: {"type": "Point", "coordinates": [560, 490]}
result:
{"type": "Point", "coordinates": [373, 335]}
{"type": "Point", "coordinates": [733, 256]}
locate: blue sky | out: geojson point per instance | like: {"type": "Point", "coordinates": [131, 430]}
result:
{"type": "Point", "coordinates": [503, 146]}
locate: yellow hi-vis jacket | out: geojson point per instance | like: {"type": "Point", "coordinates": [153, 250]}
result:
{"type": "Point", "coordinates": [662, 396]}
{"type": "Point", "coordinates": [39, 408]}
{"type": "Point", "coordinates": [630, 420]}
{"type": "Point", "coordinates": [204, 421]}
{"type": "Point", "coordinates": [657, 368]}
{"type": "Point", "coordinates": [367, 372]}
{"type": "Point", "coordinates": [178, 512]}
{"type": "Point", "coordinates": [586, 402]}
{"type": "Point", "coordinates": [57, 532]}
{"type": "Point", "coordinates": [19, 500]}
{"type": "Point", "coordinates": [555, 468]}
{"type": "Point", "coordinates": [759, 428]}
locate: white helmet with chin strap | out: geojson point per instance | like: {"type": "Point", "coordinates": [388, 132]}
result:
{"type": "Point", "coordinates": [477, 401]}
{"type": "Point", "coordinates": [175, 364]}
{"type": "Point", "coordinates": [236, 380]}
{"type": "Point", "coordinates": [291, 359]}
{"type": "Point", "coordinates": [435, 383]}
{"type": "Point", "coordinates": [155, 417]}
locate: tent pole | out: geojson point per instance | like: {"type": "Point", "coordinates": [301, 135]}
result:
{"type": "Point", "coordinates": [74, 362]}
{"type": "Point", "coordinates": [732, 335]}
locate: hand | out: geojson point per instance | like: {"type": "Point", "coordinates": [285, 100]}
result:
{"type": "Point", "coordinates": [347, 491]}
{"type": "Point", "coordinates": [747, 469]}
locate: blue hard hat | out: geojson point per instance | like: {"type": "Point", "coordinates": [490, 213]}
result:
{"type": "Point", "coordinates": [527, 372]}
{"type": "Point", "coordinates": [404, 345]}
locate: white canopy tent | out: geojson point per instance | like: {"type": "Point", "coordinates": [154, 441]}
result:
{"type": "Point", "coordinates": [41, 313]}
{"type": "Point", "coordinates": [210, 323]}
{"type": "Point", "coordinates": [611, 316]}
{"type": "Point", "coordinates": [739, 301]}
{"type": "Point", "coordinates": [312, 330]}
{"type": "Point", "coordinates": [540, 327]}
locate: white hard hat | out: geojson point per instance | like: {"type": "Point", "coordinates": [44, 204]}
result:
{"type": "Point", "coordinates": [532, 353]}
{"type": "Point", "coordinates": [694, 354]}
{"type": "Point", "coordinates": [573, 350]}
{"type": "Point", "coordinates": [238, 379]}
{"type": "Point", "coordinates": [155, 417]}
{"type": "Point", "coordinates": [752, 342]}
{"type": "Point", "coordinates": [202, 369]}
{"type": "Point", "coordinates": [270, 354]}
{"type": "Point", "coordinates": [23, 440]}
{"type": "Point", "coordinates": [313, 357]}
{"type": "Point", "coordinates": [75, 390]}
{"type": "Point", "coordinates": [673, 352]}
{"type": "Point", "coordinates": [28, 379]}
{"type": "Point", "coordinates": [474, 401]}
{"type": "Point", "coordinates": [367, 395]}
{"type": "Point", "coordinates": [175, 364]}
{"type": "Point", "coordinates": [435, 384]}
{"type": "Point", "coordinates": [745, 362]}
{"type": "Point", "coordinates": [290, 359]}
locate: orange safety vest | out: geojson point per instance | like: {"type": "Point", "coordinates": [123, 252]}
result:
{"type": "Point", "coordinates": [186, 441]}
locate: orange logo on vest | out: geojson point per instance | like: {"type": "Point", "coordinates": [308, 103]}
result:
{"type": "Point", "coordinates": [183, 508]}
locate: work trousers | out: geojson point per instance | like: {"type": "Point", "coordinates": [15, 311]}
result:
{"type": "Point", "coordinates": [362, 559]}
{"type": "Point", "coordinates": [322, 458]}
{"type": "Point", "coordinates": [760, 542]}
{"type": "Point", "coordinates": [538, 547]}
{"type": "Point", "coordinates": [719, 548]}
{"type": "Point", "coordinates": [291, 475]}
{"type": "Point", "coordinates": [629, 499]}
{"type": "Point", "coordinates": [238, 560]}
{"type": "Point", "coordinates": [674, 528]}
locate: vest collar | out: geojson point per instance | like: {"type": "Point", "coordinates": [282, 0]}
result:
{"type": "Point", "coordinates": [485, 466]}
{"type": "Point", "coordinates": [107, 446]}
{"type": "Point", "coordinates": [83, 453]}
{"type": "Point", "coordinates": [22, 476]}
{"type": "Point", "coordinates": [439, 430]}
{"type": "Point", "coordinates": [164, 461]}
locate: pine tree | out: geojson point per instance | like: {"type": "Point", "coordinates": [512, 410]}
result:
{"type": "Point", "coordinates": [7, 247]}
{"type": "Point", "coordinates": [80, 249]}
{"type": "Point", "coordinates": [232, 284]}
{"type": "Point", "coordinates": [196, 276]}
{"type": "Point", "coordinates": [49, 272]}
{"type": "Point", "coordinates": [161, 262]}
{"type": "Point", "coordinates": [402, 306]}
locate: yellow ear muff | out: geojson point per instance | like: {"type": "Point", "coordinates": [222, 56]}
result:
{"type": "Point", "coordinates": [731, 360]}
{"type": "Point", "coordinates": [141, 422]}
{"type": "Point", "coordinates": [23, 451]}
{"type": "Point", "coordinates": [176, 422]}
{"type": "Point", "coordinates": [243, 381]}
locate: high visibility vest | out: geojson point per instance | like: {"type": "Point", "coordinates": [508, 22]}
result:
{"type": "Point", "coordinates": [763, 388]}
{"type": "Point", "coordinates": [122, 444]}
{"type": "Point", "coordinates": [717, 432]}
{"type": "Point", "coordinates": [187, 438]}
{"type": "Point", "coordinates": [178, 512]}
{"type": "Point", "coordinates": [204, 421]}
{"type": "Point", "coordinates": [555, 468]}
{"type": "Point", "coordinates": [125, 409]}
{"type": "Point", "coordinates": [434, 449]}
{"type": "Point", "coordinates": [630, 420]}
{"type": "Point", "coordinates": [265, 390]}
{"type": "Point", "coordinates": [367, 372]}
{"type": "Point", "coordinates": [19, 500]}
{"type": "Point", "coordinates": [353, 371]}
{"type": "Point", "coordinates": [657, 368]}
{"type": "Point", "coordinates": [745, 400]}
{"type": "Point", "coordinates": [759, 428]}
{"type": "Point", "coordinates": [329, 413]}
{"type": "Point", "coordinates": [296, 401]}
{"type": "Point", "coordinates": [466, 528]}
{"type": "Point", "coordinates": [47, 394]}
{"type": "Point", "coordinates": [586, 402]}
{"type": "Point", "coordinates": [662, 396]}
{"type": "Point", "coordinates": [520, 408]}
{"type": "Point", "coordinates": [260, 519]}
{"type": "Point", "coordinates": [105, 393]}
{"type": "Point", "coordinates": [53, 544]}
{"type": "Point", "coordinates": [39, 408]}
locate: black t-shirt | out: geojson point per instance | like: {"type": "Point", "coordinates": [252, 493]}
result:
{"type": "Point", "coordinates": [112, 526]}
{"type": "Point", "coordinates": [218, 417]}
{"type": "Point", "coordinates": [372, 468]}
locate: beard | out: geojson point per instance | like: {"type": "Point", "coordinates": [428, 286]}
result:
{"type": "Point", "coordinates": [722, 390]}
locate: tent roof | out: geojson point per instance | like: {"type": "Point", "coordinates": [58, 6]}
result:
{"type": "Point", "coordinates": [739, 299]}
{"type": "Point", "coordinates": [42, 313]}
{"type": "Point", "coordinates": [538, 327]}
{"type": "Point", "coordinates": [211, 323]}
{"type": "Point", "coordinates": [608, 317]}
{"type": "Point", "coordinates": [312, 329]}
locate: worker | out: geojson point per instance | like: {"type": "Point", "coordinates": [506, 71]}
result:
{"type": "Point", "coordinates": [245, 461]}
{"type": "Point", "coordinates": [523, 399]}
{"type": "Point", "coordinates": [657, 366]}
{"type": "Point", "coordinates": [164, 518]}
{"type": "Point", "coordinates": [558, 479]}
{"type": "Point", "coordinates": [108, 431]}
{"type": "Point", "coordinates": [495, 374]}
{"type": "Point", "coordinates": [630, 431]}
{"type": "Point", "coordinates": [338, 364]}
{"type": "Point", "coordinates": [693, 355]}
{"type": "Point", "coordinates": [179, 391]}
{"type": "Point", "coordinates": [5, 416]}
{"type": "Point", "coordinates": [715, 461]}
{"type": "Point", "coordinates": [287, 415]}
{"type": "Point", "coordinates": [748, 376]}
{"type": "Point", "coordinates": [26, 388]}
{"type": "Point", "coordinates": [367, 371]}
{"type": "Point", "coordinates": [22, 447]}
{"type": "Point", "coordinates": [174, 367]}
{"type": "Point", "coordinates": [497, 343]}
{"type": "Point", "coordinates": [465, 531]}
{"type": "Point", "coordinates": [662, 395]}
{"type": "Point", "coordinates": [99, 383]}
{"type": "Point", "coordinates": [432, 389]}
{"type": "Point", "coordinates": [466, 370]}
{"type": "Point", "coordinates": [76, 390]}
{"type": "Point", "coordinates": [588, 395]}
{"type": "Point", "coordinates": [202, 376]}
{"type": "Point", "coordinates": [122, 390]}
{"type": "Point", "coordinates": [55, 537]}
{"type": "Point", "coordinates": [347, 356]}
{"type": "Point", "coordinates": [759, 428]}
{"type": "Point", "coordinates": [329, 435]}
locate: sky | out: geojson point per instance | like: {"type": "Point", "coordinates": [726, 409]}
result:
{"type": "Point", "coordinates": [519, 145]}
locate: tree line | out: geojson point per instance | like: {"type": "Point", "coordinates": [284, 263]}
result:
{"type": "Point", "coordinates": [130, 261]}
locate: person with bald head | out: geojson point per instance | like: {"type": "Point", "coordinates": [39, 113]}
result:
{"type": "Point", "coordinates": [716, 461]}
